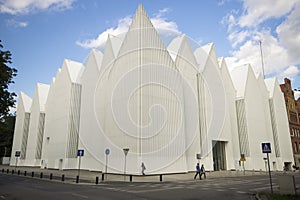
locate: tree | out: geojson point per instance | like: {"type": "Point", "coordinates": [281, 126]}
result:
{"type": "Point", "coordinates": [7, 101]}
{"type": "Point", "coordinates": [7, 73]}
{"type": "Point", "coordinates": [7, 125]}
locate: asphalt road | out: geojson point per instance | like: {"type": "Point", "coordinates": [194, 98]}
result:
{"type": "Point", "coordinates": [27, 188]}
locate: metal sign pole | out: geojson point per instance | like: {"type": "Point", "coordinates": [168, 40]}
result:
{"type": "Point", "coordinates": [16, 163]}
{"type": "Point", "coordinates": [125, 169]}
{"type": "Point", "coordinates": [125, 150]}
{"type": "Point", "coordinates": [79, 166]}
{"type": "Point", "coordinates": [270, 173]}
{"type": "Point", "coordinates": [107, 151]}
{"type": "Point", "coordinates": [244, 167]}
{"type": "Point", "coordinates": [106, 167]}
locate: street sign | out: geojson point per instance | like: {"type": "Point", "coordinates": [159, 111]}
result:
{"type": "Point", "coordinates": [18, 154]}
{"type": "Point", "coordinates": [266, 147]}
{"type": "Point", "coordinates": [242, 159]}
{"type": "Point", "coordinates": [107, 151]}
{"type": "Point", "coordinates": [126, 151]}
{"type": "Point", "coordinates": [80, 152]}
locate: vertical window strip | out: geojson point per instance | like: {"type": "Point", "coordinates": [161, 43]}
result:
{"type": "Point", "coordinates": [40, 135]}
{"type": "Point", "coordinates": [274, 128]}
{"type": "Point", "coordinates": [25, 135]}
{"type": "Point", "coordinates": [242, 127]}
{"type": "Point", "coordinates": [202, 113]}
{"type": "Point", "coordinates": [74, 117]}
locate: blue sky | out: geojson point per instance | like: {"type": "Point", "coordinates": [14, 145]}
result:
{"type": "Point", "coordinates": [41, 33]}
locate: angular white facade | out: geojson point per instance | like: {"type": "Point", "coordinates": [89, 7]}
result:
{"type": "Point", "coordinates": [21, 128]}
{"type": "Point", "coordinates": [166, 104]}
{"type": "Point", "coordinates": [60, 141]}
{"type": "Point", "coordinates": [36, 126]}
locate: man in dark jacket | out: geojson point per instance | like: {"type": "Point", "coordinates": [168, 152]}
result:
{"type": "Point", "coordinates": [197, 171]}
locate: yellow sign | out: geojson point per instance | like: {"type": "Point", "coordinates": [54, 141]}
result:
{"type": "Point", "coordinates": [242, 159]}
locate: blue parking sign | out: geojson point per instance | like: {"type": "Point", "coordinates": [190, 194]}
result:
{"type": "Point", "coordinates": [18, 154]}
{"type": "Point", "coordinates": [80, 152]}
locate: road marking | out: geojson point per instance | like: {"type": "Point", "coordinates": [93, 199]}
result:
{"type": "Point", "coordinates": [2, 197]}
{"type": "Point", "coordinates": [155, 190]}
{"type": "Point", "coordinates": [241, 192]}
{"type": "Point", "coordinates": [79, 195]}
{"type": "Point", "coordinates": [262, 188]}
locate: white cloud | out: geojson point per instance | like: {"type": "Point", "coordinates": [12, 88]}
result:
{"type": "Point", "coordinates": [16, 24]}
{"type": "Point", "coordinates": [99, 42]}
{"type": "Point", "coordinates": [222, 2]}
{"type": "Point", "coordinates": [16, 7]}
{"type": "Point", "coordinates": [291, 71]}
{"type": "Point", "coordinates": [280, 44]}
{"type": "Point", "coordinates": [237, 37]}
{"type": "Point", "coordinates": [257, 11]}
{"type": "Point", "coordinates": [275, 56]}
{"type": "Point", "coordinates": [162, 12]}
{"type": "Point", "coordinates": [289, 34]}
{"type": "Point", "coordinates": [163, 27]}
{"type": "Point", "coordinates": [229, 20]}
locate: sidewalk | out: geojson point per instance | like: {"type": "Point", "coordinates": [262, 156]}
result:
{"type": "Point", "coordinates": [90, 176]}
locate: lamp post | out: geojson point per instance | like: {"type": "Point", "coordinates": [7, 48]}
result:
{"type": "Point", "coordinates": [125, 150]}
{"type": "Point", "coordinates": [107, 151]}
{"type": "Point", "coordinates": [262, 59]}
{"type": "Point", "coordinates": [198, 157]}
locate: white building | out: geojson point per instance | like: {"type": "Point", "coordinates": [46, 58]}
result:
{"type": "Point", "coordinates": [36, 126]}
{"type": "Point", "coordinates": [166, 103]}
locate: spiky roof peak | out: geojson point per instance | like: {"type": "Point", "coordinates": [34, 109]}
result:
{"type": "Point", "coordinates": [75, 70]}
{"type": "Point", "coordinates": [26, 101]}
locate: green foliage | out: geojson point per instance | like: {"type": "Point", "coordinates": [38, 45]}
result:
{"type": "Point", "coordinates": [275, 196]}
{"type": "Point", "coordinates": [7, 101]}
{"type": "Point", "coordinates": [7, 124]}
{"type": "Point", "coordinates": [6, 78]}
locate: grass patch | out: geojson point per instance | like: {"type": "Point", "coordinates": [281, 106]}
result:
{"type": "Point", "coordinates": [279, 197]}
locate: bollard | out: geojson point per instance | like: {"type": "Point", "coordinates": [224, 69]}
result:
{"type": "Point", "coordinates": [51, 176]}
{"type": "Point", "coordinates": [63, 177]}
{"type": "Point", "coordinates": [41, 176]}
{"type": "Point", "coordinates": [160, 177]}
{"type": "Point", "coordinates": [102, 177]}
{"type": "Point", "coordinates": [130, 178]}
{"type": "Point", "coordinates": [7, 171]}
{"type": "Point", "coordinates": [32, 174]}
{"type": "Point", "coordinates": [12, 171]}
{"type": "Point", "coordinates": [97, 180]}
{"type": "Point", "coordinates": [25, 172]}
{"type": "Point", "coordinates": [3, 170]}
{"type": "Point", "coordinates": [77, 179]}
{"type": "Point", "coordinates": [18, 172]}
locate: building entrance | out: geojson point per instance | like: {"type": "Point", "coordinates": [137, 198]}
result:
{"type": "Point", "coordinates": [219, 155]}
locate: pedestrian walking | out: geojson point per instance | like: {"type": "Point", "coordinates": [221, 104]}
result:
{"type": "Point", "coordinates": [143, 168]}
{"type": "Point", "coordinates": [202, 172]}
{"type": "Point", "coordinates": [197, 171]}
